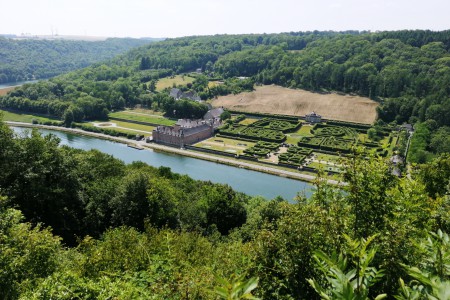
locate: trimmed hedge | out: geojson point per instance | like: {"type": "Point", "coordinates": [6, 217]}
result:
{"type": "Point", "coordinates": [311, 142]}
{"type": "Point", "coordinates": [253, 133]}
{"type": "Point", "coordinates": [295, 156]}
{"type": "Point", "coordinates": [291, 158]}
{"type": "Point", "coordinates": [299, 150]}
{"type": "Point", "coordinates": [236, 138]}
{"type": "Point", "coordinates": [262, 148]}
{"type": "Point", "coordinates": [257, 151]}
{"type": "Point", "coordinates": [326, 130]}
{"type": "Point", "coordinates": [268, 145]}
{"type": "Point", "coordinates": [229, 154]}
{"type": "Point", "coordinates": [247, 157]}
{"type": "Point", "coordinates": [239, 119]}
{"type": "Point", "coordinates": [349, 124]}
{"type": "Point", "coordinates": [328, 143]}
{"type": "Point", "coordinates": [277, 124]}
{"type": "Point", "coordinates": [283, 117]}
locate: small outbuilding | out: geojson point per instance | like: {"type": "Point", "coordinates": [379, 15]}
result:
{"type": "Point", "coordinates": [313, 117]}
{"type": "Point", "coordinates": [177, 94]}
{"type": "Point", "coordinates": [213, 114]}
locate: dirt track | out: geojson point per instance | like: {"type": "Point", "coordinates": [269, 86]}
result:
{"type": "Point", "coordinates": [279, 100]}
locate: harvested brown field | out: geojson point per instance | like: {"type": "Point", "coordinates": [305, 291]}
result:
{"type": "Point", "coordinates": [4, 91]}
{"type": "Point", "coordinates": [279, 100]}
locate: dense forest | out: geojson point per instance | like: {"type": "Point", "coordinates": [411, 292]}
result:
{"type": "Point", "coordinates": [80, 224]}
{"type": "Point", "coordinates": [33, 59]}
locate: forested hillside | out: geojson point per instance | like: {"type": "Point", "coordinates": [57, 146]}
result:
{"type": "Point", "coordinates": [408, 72]}
{"type": "Point", "coordinates": [31, 59]}
{"type": "Point", "coordinates": [83, 225]}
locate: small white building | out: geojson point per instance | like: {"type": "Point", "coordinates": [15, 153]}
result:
{"type": "Point", "coordinates": [313, 118]}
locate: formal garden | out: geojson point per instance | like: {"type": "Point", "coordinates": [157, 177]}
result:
{"type": "Point", "coordinates": [290, 142]}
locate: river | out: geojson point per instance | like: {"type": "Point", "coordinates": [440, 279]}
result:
{"type": "Point", "coordinates": [17, 83]}
{"type": "Point", "coordinates": [250, 182]}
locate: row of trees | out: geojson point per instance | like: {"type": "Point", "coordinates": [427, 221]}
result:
{"type": "Point", "coordinates": [142, 232]}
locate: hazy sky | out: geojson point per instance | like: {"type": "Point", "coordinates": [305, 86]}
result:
{"type": "Point", "coordinates": [173, 18]}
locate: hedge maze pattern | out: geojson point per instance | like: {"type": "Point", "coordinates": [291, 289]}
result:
{"type": "Point", "coordinates": [336, 139]}
{"type": "Point", "coordinates": [330, 138]}
{"type": "Point", "coordinates": [294, 156]}
{"type": "Point", "coordinates": [270, 132]}
{"type": "Point", "coordinates": [262, 148]}
{"type": "Point", "coordinates": [266, 129]}
{"type": "Point", "coordinates": [275, 124]}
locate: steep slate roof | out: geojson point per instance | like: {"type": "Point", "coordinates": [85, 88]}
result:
{"type": "Point", "coordinates": [313, 114]}
{"type": "Point", "coordinates": [215, 112]}
{"type": "Point", "coordinates": [178, 94]}
{"type": "Point", "coordinates": [174, 93]}
{"type": "Point", "coordinates": [194, 130]}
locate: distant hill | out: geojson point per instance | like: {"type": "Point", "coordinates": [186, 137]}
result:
{"type": "Point", "coordinates": [27, 58]}
{"type": "Point", "coordinates": [87, 38]}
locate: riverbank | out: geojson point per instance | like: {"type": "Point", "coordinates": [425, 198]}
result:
{"type": "Point", "coordinates": [183, 152]}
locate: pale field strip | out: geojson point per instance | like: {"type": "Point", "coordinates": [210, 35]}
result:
{"type": "Point", "coordinates": [114, 125]}
{"type": "Point", "coordinates": [274, 99]}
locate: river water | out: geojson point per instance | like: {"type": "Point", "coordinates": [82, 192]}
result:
{"type": "Point", "coordinates": [17, 83]}
{"type": "Point", "coordinates": [250, 182]}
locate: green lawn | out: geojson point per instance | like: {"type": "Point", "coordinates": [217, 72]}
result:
{"type": "Point", "coordinates": [394, 142]}
{"type": "Point", "coordinates": [148, 112]}
{"type": "Point", "coordinates": [129, 115]}
{"type": "Point", "coordinates": [305, 130]}
{"type": "Point", "coordinates": [23, 117]}
{"type": "Point", "coordinates": [293, 138]}
{"type": "Point", "coordinates": [225, 144]}
{"type": "Point", "coordinates": [248, 121]}
{"type": "Point", "coordinates": [327, 157]}
{"type": "Point", "coordinates": [126, 131]}
{"type": "Point", "coordinates": [177, 80]}
{"type": "Point", "coordinates": [130, 126]}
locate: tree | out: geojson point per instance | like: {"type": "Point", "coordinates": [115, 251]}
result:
{"type": "Point", "coordinates": [436, 175]}
{"type": "Point", "coordinates": [432, 280]}
{"type": "Point", "coordinates": [225, 115]}
{"type": "Point", "coordinates": [225, 208]}
{"type": "Point", "coordinates": [440, 140]}
{"type": "Point", "coordinates": [349, 275]}
{"type": "Point", "coordinates": [68, 117]}
{"type": "Point", "coordinates": [368, 182]}
{"type": "Point", "coordinates": [27, 253]}
{"type": "Point", "coordinates": [237, 288]}
{"type": "Point", "coordinates": [152, 86]}
{"type": "Point", "coordinates": [372, 133]}
{"type": "Point", "coordinates": [44, 185]}
{"type": "Point", "coordinates": [130, 205]}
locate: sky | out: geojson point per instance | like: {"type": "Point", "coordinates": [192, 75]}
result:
{"type": "Point", "coordinates": [175, 18]}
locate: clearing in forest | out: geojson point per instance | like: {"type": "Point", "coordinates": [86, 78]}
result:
{"type": "Point", "coordinates": [168, 82]}
{"type": "Point", "coordinates": [284, 101]}
{"type": "Point", "coordinates": [5, 91]}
